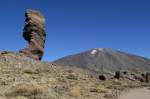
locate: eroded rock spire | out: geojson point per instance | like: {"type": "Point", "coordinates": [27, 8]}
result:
{"type": "Point", "coordinates": [34, 33]}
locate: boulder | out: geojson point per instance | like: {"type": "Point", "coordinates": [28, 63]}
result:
{"type": "Point", "coordinates": [102, 77]}
{"type": "Point", "coordinates": [147, 77]}
{"type": "Point", "coordinates": [117, 75]}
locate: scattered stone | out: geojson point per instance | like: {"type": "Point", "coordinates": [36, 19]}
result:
{"type": "Point", "coordinates": [143, 75]}
{"type": "Point", "coordinates": [117, 75]}
{"type": "Point", "coordinates": [139, 78]}
{"type": "Point", "coordinates": [102, 77]}
{"type": "Point", "coordinates": [125, 72]}
{"type": "Point", "coordinates": [147, 77]}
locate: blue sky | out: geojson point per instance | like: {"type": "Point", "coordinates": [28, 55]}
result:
{"type": "Point", "coordinates": [74, 26]}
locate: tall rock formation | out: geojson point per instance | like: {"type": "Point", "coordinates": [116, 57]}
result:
{"type": "Point", "coordinates": [34, 33]}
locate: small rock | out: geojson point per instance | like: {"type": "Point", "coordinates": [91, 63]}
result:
{"type": "Point", "coordinates": [102, 77]}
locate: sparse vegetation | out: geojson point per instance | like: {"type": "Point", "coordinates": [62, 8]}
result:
{"type": "Point", "coordinates": [99, 89]}
{"type": "Point", "coordinates": [24, 78]}
{"type": "Point", "coordinates": [72, 76]}
{"type": "Point", "coordinates": [117, 82]}
{"type": "Point", "coordinates": [28, 71]}
{"type": "Point", "coordinates": [26, 90]}
{"type": "Point", "coordinates": [108, 95]}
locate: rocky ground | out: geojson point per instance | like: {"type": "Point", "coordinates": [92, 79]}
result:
{"type": "Point", "coordinates": [23, 78]}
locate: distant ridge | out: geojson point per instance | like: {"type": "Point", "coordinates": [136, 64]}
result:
{"type": "Point", "coordinates": [106, 59]}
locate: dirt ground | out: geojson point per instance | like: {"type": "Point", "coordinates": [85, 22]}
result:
{"type": "Point", "coordinates": [141, 93]}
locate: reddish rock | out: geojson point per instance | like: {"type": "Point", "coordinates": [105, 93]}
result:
{"type": "Point", "coordinates": [34, 33]}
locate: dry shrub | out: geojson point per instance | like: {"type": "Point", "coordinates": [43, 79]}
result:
{"type": "Point", "coordinates": [117, 82]}
{"type": "Point", "coordinates": [72, 76]}
{"type": "Point", "coordinates": [28, 71]}
{"type": "Point", "coordinates": [20, 97]}
{"type": "Point", "coordinates": [99, 89]}
{"type": "Point", "coordinates": [27, 90]}
{"type": "Point", "coordinates": [108, 96]}
{"type": "Point", "coordinates": [75, 92]}
{"type": "Point", "coordinates": [2, 98]}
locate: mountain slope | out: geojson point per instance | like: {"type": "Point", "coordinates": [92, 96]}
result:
{"type": "Point", "coordinates": [103, 59]}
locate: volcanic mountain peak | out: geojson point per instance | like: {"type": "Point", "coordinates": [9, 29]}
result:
{"type": "Point", "coordinates": [96, 50]}
{"type": "Point", "coordinates": [109, 59]}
